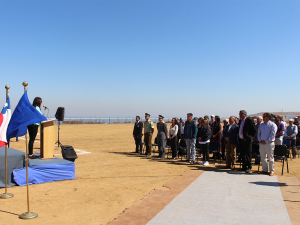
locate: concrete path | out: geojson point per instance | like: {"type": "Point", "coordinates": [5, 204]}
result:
{"type": "Point", "coordinates": [227, 198]}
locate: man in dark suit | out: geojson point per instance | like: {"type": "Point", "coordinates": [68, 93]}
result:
{"type": "Point", "coordinates": [137, 134]}
{"type": "Point", "coordinates": [246, 134]}
{"type": "Point", "coordinates": [230, 134]}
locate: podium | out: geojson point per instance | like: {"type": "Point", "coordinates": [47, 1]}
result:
{"type": "Point", "coordinates": [47, 135]}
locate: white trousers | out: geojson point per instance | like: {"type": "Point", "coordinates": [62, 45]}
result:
{"type": "Point", "coordinates": [267, 151]}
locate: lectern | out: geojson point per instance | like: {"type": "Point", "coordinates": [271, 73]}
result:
{"type": "Point", "coordinates": [47, 139]}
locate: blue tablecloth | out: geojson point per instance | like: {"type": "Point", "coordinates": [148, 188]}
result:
{"type": "Point", "coordinates": [45, 170]}
{"type": "Point", "coordinates": [15, 160]}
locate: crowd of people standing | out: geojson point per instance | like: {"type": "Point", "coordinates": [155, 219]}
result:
{"type": "Point", "coordinates": [234, 133]}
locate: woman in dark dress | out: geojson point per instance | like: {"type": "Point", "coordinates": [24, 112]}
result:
{"type": "Point", "coordinates": [33, 128]}
{"type": "Point", "coordinates": [217, 129]}
{"type": "Point", "coordinates": [203, 138]}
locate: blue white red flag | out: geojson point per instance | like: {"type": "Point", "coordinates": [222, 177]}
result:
{"type": "Point", "coordinates": [24, 114]}
{"type": "Point", "coordinates": [5, 116]}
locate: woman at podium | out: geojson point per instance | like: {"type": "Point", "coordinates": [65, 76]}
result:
{"type": "Point", "coordinates": [33, 128]}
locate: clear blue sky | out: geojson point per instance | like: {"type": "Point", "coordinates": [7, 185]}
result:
{"type": "Point", "coordinates": [125, 58]}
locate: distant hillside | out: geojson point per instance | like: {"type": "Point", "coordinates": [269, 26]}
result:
{"type": "Point", "coordinates": [286, 115]}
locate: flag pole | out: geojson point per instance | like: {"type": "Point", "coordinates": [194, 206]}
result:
{"type": "Point", "coordinates": [6, 195]}
{"type": "Point", "coordinates": [28, 214]}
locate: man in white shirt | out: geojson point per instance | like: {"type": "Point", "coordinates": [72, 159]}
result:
{"type": "Point", "coordinates": [266, 137]}
{"type": "Point", "coordinates": [291, 134]}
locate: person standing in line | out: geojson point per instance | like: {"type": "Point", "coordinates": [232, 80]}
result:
{"type": "Point", "coordinates": [33, 128]}
{"type": "Point", "coordinates": [266, 136]}
{"type": "Point", "coordinates": [225, 123]}
{"type": "Point", "coordinates": [254, 120]}
{"type": "Point", "coordinates": [216, 129]}
{"type": "Point", "coordinates": [259, 120]}
{"type": "Point", "coordinates": [280, 131]}
{"type": "Point", "coordinates": [212, 120]}
{"type": "Point", "coordinates": [246, 134]}
{"type": "Point", "coordinates": [137, 134]}
{"type": "Point", "coordinates": [291, 134]}
{"type": "Point", "coordinates": [231, 134]}
{"type": "Point", "coordinates": [203, 137]}
{"type": "Point", "coordinates": [182, 129]}
{"type": "Point", "coordinates": [206, 117]}
{"type": "Point", "coordinates": [200, 119]}
{"type": "Point", "coordinates": [179, 131]}
{"type": "Point", "coordinates": [162, 133]}
{"type": "Point", "coordinates": [148, 132]}
{"type": "Point", "coordinates": [296, 122]}
{"type": "Point", "coordinates": [282, 121]}
{"type": "Point", "coordinates": [190, 135]}
{"type": "Point", "coordinates": [173, 131]}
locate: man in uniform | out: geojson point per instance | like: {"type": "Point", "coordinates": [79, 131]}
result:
{"type": "Point", "coordinates": [148, 132]}
{"type": "Point", "coordinates": [162, 133]}
{"type": "Point", "coordinates": [137, 134]}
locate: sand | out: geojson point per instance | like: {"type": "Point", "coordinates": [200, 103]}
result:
{"type": "Point", "coordinates": [109, 178]}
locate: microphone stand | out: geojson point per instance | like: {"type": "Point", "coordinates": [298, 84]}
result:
{"type": "Point", "coordinates": [58, 143]}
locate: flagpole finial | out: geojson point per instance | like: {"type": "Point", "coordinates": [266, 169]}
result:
{"type": "Point", "coordinates": [7, 87]}
{"type": "Point", "coordinates": [25, 83]}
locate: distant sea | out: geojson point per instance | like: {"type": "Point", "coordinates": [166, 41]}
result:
{"type": "Point", "coordinates": [104, 120]}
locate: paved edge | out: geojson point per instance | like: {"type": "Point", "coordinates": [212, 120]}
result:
{"type": "Point", "coordinates": [290, 190]}
{"type": "Point", "coordinates": [143, 211]}
{"type": "Point", "coordinates": [147, 208]}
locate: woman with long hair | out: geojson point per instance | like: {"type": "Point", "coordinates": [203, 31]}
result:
{"type": "Point", "coordinates": [173, 131]}
{"type": "Point", "coordinates": [200, 122]}
{"type": "Point", "coordinates": [217, 129]}
{"type": "Point", "coordinates": [33, 128]}
{"type": "Point", "coordinates": [203, 138]}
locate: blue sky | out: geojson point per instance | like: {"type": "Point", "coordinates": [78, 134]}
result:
{"type": "Point", "coordinates": [125, 58]}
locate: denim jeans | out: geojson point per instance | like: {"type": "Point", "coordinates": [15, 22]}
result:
{"type": "Point", "coordinates": [190, 145]}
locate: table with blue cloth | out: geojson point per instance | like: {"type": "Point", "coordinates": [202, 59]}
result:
{"type": "Point", "coordinates": [15, 160]}
{"type": "Point", "coordinates": [45, 170]}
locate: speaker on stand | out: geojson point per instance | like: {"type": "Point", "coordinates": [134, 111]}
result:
{"type": "Point", "coordinates": [59, 115]}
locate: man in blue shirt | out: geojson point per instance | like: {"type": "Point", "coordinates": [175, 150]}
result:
{"type": "Point", "coordinates": [266, 137]}
{"type": "Point", "coordinates": [280, 131]}
{"type": "Point", "coordinates": [190, 136]}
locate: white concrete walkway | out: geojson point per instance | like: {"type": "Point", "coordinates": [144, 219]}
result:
{"type": "Point", "coordinates": [227, 198]}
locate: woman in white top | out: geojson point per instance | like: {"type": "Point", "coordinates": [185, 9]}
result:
{"type": "Point", "coordinates": [173, 137]}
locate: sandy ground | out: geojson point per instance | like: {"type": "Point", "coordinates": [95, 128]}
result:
{"type": "Point", "coordinates": [109, 179]}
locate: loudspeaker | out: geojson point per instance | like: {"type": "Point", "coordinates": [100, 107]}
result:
{"type": "Point", "coordinates": [68, 153]}
{"type": "Point", "coordinates": [60, 113]}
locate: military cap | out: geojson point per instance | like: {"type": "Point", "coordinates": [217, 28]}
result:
{"type": "Point", "coordinates": [147, 114]}
{"type": "Point", "coordinates": [160, 117]}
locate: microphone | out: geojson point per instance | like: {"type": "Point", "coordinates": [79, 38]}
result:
{"type": "Point", "coordinates": [45, 107]}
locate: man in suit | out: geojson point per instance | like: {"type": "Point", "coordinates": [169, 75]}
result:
{"type": "Point", "coordinates": [162, 133]}
{"type": "Point", "coordinates": [137, 134]}
{"type": "Point", "coordinates": [230, 135]}
{"type": "Point", "coordinates": [246, 134]}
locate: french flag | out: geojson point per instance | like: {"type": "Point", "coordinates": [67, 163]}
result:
{"type": "Point", "coordinates": [5, 116]}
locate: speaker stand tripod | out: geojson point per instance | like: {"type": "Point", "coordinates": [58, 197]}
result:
{"type": "Point", "coordinates": [58, 143]}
